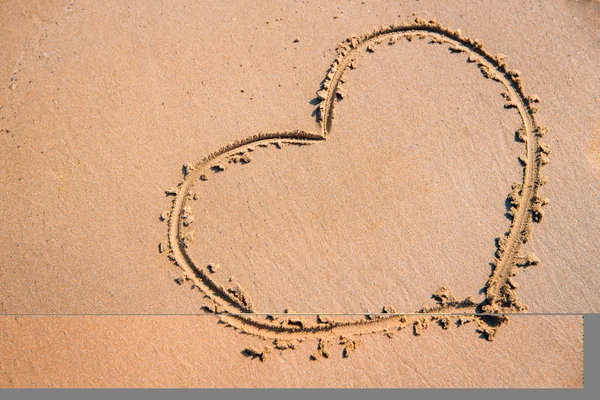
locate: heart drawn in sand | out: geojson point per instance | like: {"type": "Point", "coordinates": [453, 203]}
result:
{"type": "Point", "coordinates": [233, 305]}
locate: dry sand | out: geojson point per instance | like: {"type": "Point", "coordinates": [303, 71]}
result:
{"type": "Point", "coordinates": [403, 193]}
{"type": "Point", "coordinates": [106, 351]}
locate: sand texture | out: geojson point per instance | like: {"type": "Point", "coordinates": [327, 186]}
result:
{"type": "Point", "coordinates": [306, 174]}
{"type": "Point", "coordinates": [105, 351]}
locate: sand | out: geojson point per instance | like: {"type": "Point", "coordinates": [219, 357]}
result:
{"type": "Point", "coordinates": [114, 351]}
{"type": "Point", "coordinates": [408, 176]}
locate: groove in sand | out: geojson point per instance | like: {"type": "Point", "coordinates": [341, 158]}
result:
{"type": "Point", "coordinates": [233, 305]}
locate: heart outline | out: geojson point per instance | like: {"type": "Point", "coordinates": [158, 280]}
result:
{"type": "Point", "coordinates": [500, 297]}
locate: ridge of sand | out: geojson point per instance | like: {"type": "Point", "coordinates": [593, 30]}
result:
{"type": "Point", "coordinates": [234, 306]}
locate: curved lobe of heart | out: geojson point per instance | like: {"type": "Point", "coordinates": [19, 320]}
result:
{"type": "Point", "coordinates": [234, 305]}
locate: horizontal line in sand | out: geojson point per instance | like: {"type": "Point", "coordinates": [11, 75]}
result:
{"type": "Point", "coordinates": [520, 314]}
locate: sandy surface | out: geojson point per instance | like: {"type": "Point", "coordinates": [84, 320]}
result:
{"type": "Point", "coordinates": [101, 105]}
{"type": "Point", "coordinates": [178, 351]}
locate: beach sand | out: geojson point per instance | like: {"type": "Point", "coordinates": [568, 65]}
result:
{"type": "Point", "coordinates": [178, 351]}
{"type": "Point", "coordinates": [107, 108]}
